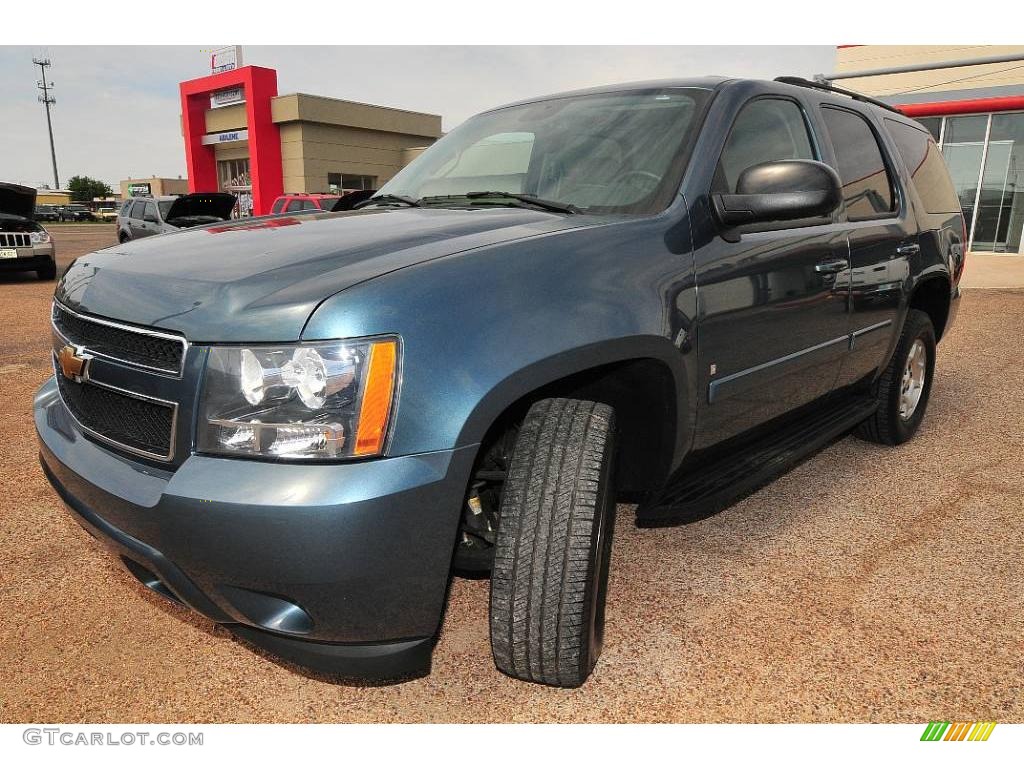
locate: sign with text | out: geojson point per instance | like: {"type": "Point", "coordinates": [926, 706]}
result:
{"type": "Point", "coordinates": [226, 136]}
{"type": "Point", "coordinates": [227, 97]}
{"type": "Point", "coordinates": [225, 59]}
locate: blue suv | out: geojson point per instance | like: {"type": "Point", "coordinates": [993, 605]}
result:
{"type": "Point", "coordinates": [665, 293]}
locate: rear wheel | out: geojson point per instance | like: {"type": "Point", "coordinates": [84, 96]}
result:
{"type": "Point", "coordinates": [553, 548]}
{"type": "Point", "coordinates": [904, 387]}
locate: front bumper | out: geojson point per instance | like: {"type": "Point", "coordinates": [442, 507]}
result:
{"type": "Point", "coordinates": [29, 258]}
{"type": "Point", "coordinates": [342, 568]}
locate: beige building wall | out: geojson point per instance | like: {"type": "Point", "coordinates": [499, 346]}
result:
{"type": "Point", "coordinates": [860, 57]}
{"type": "Point", "coordinates": [322, 136]}
{"type": "Point", "coordinates": [158, 186]}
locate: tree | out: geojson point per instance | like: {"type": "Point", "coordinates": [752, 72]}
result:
{"type": "Point", "coordinates": [83, 189]}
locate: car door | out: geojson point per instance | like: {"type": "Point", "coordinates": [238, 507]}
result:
{"type": "Point", "coordinates": [148, 223]}
{"type": "Point", "coordinates": [773, 320]}
{"type": "Point", "coordinates": [881, 229]}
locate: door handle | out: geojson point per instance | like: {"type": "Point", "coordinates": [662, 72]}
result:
{"type": "Point", "coordinates": [910, 249]}
{"type": "Point", "coordinates": [830, 265]}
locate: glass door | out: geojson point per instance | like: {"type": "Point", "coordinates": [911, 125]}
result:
{"type": "Point", "coordinates": [1000, 216]}
{"type": "Point", "coordinates": [963, 144]}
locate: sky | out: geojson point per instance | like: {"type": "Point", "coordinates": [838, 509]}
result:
{"type": "Point", "coordinates": [117, 114]}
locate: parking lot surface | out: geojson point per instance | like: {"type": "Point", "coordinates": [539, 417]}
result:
{"type": "Point", "coordinates": [869, 584]}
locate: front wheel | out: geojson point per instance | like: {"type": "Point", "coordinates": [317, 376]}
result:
{"type": "Point", "coordinates": [550, 572]}
{"type": "Point", "coordinates": [904, 387]}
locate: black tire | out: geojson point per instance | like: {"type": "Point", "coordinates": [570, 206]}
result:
{"type": "Point", "coordinates": [550, 574]}
{"type": "Point", "coordinates": [49, 272]}
{"type": "Point", "coordinates": [887, 426]}
{"type": "Point", "coordinates": [122, 237]}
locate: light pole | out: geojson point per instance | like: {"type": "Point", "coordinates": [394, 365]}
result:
{"type": "Point", "coordinates": [47, 100]}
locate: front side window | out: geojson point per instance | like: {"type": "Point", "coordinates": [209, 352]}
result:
{"type": "Point", "coordinates": [867, 187]}
{"type": "Point", "coordinates": [764, 131]}
{"type": "Point", "coordinates": [165, 207]}
{"type": "Point", "coordinates": [603, 153]}
{"type": "Point", "coordinates": [150, 212]}
{"type": "Point", "coordinates": [138, 209]}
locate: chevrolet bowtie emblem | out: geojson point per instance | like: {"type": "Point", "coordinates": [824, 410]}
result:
{"type": "Point", "coordinates": [74, 363]}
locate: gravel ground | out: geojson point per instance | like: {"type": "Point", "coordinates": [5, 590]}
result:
{"type": "Point", "coordinates": [869, 584]}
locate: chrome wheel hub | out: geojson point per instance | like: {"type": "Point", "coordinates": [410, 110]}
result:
{"type": "Point", "coordinates": [912, 382]}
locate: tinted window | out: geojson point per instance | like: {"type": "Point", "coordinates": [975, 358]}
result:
{"type": "Point", "coordinates": [927, 168]}
{"type": "Point", "coordinates": [278, 205]}
{"type": "Point", "coordinates": [867, 188]}
{"type": "Point", "coordinates": [765, 130]}
{"type": "Point", "coordinates": [933, 124]}
{"type": "Point", "coordinates": [125, 206]}
{"type": "Point", "coordinates": [138, 208]}
{"type": "Point", "coordinates": [294, 205]}
{"type": "Point", "coordinates": [150, 211]}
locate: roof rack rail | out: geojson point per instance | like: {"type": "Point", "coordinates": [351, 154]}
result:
{"type": "Point", "coordinates": [804, 83]}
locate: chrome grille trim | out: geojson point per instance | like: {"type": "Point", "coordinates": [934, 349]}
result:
{"type": "Point", "coordinates": [119, 445]}
{"type": "Point", "coordinates": [14, 240]}
{"type": "Point", "coordinates": [173, 337]}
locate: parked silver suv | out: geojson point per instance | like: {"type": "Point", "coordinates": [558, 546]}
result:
{"type": "Point", "coordinates": [143, 216]}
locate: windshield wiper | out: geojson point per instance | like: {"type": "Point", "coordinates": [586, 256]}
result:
{"type": "Point", "coordinates": [536, 202]}
{"type": "Point", "coordinates": [386, 200]}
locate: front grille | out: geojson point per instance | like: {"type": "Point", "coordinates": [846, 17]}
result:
{"type": "Point", "coordinates": [14, 240]}
{"type": "Point", "coordinates": [152, 349]}
{"type": "Point", "coordinates": [141, 425]}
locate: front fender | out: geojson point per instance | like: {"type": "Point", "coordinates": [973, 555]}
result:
{"type": "Point", "coordinates": [481, 330]}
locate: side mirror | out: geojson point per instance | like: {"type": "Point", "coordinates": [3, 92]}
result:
{"type": "Point", "coordinates": [782, 190]}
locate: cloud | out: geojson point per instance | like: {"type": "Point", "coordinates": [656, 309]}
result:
{"type": "Point", "coordinates": [117, 113]}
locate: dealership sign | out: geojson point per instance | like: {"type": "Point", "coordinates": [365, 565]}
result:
{"type": "Point", "coordinates": [225, 59]}
{"type": "Point", "coordinates": [142, 188]}
{"type": "Point", "coordinates": [226, 136]}
{"type": "Point", "coordinates": [227, 97]}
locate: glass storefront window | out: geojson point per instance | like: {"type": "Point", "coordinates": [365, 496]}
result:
{"type": "Point", "coordinates": [1001, 202]}
{"type": "Point", "coordinates": [985, 156]}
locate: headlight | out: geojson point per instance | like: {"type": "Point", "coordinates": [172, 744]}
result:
{"type": "Point", "coordinates": [39, 237]}
{"type": "Point", "coordinates": [324, 400]}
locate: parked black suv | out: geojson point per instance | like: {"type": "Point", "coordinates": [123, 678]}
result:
{"type": "Point", "coordinates": [75, 212]}
{"type": "Point", "coordinates": [665, 292]}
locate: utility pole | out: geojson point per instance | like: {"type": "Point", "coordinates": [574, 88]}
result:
{"type": "Point", "coordinates": [47, 100]}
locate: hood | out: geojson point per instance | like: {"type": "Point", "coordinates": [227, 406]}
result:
{"type": "Point", "coordinates": [16, 200]}
{"type": "Point", "coordinates": [260, 279]}
{"type": "Point", "coordinates": [217, 204]}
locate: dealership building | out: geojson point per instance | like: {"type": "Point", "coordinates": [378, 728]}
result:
{"type": "Point", "coordinates": [975, 113]}
{"type": "Point", "coordinates": [242, 137]}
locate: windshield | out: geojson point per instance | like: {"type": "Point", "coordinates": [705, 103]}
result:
{"type": "Point", "coordinates": [606, 153]}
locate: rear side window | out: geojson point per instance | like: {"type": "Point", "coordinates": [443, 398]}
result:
{"type": "Point", "coordinates": [278, 205]}
{"type": "Point", "coordinates": [867, 187]}
{"type": "Point", "coordinates": [294, 206]}
{"type": "Point", "coordinates": [765, 130]}
{"type": "Point", "coordinates": [927, 168]}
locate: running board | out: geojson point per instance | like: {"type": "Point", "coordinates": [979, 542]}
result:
{"type": "Point", "coordinates": [705, 487]}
